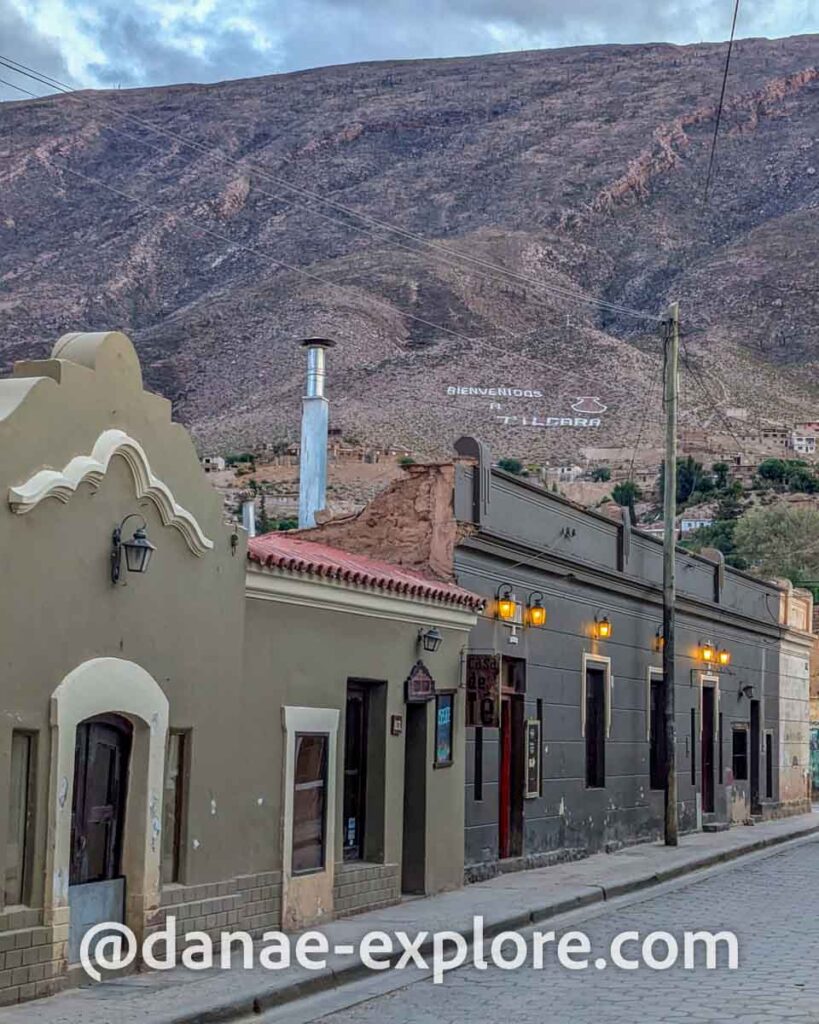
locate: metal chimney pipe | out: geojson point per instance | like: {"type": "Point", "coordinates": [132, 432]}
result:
{"type": "Point", "coordinates": [249, 516]}
{"type": "Point", "coordinates": [314, 425]}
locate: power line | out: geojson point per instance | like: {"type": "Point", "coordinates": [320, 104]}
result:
{"type": "Point", "coordinates": [721, 101]}
{"type": "Point", "coordinates": [435, 247]}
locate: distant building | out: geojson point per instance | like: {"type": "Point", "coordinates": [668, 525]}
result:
{"type": "Point", "coordinates": [213, 464]}
{"type": "Point", "coordinates": [690, 523]}
{"type": "Point", "coordinates": [803, 442]}
{"type": "Point", "coordinates": [562, 474]}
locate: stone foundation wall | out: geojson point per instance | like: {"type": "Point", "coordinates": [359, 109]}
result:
{"type": "Point", "coordinates": [250, 903]}
{"type": "Point", "coordinates": [360, 887]}
{"type": "Point", "coordinates": [32, 956]}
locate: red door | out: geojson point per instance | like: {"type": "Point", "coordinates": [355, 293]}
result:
{"type": "Point", "coordinates": [505, 790]}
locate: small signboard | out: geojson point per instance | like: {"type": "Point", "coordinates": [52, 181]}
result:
{"type": "Point", "coordinates": [483, 674]}
{"type": "Point", "coordinates": [533, 749]}
{"type": "Point", "coordinates": [420, 686]}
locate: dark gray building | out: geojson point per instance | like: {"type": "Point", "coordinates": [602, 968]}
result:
{"type": "Point", "coordinates": [563, 746]}
{"type": "Point", "coordinates": [572, 758]}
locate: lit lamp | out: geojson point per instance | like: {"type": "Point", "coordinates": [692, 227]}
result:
{"type": "Point", "coordinates": [536, 613]}
{"type": "Point", "coordinates": [507, 605]}
{"type": "Point", "coordinates": [138, 550]}
{"type": "Point", "coordinates": [708, 653]}
{"type": "Point", "coordinates": [430, 639]}
{"type": "Point", "coordinates": [659, 641]}
{"type": "Point", "coordinates": [724, 658]}
{"type": "Point", "coordinates": [602, 628]}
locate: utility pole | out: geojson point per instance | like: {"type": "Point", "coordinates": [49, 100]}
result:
{"type": "Point", "coordinates": [671, 344]}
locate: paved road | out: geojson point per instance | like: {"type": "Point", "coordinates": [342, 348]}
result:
{"type": "Point", "coordinates": [771, 903]}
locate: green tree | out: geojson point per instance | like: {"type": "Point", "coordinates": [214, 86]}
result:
{"type": "Point", "coordinates": [780, 542]}
{"type": "Point", "coordinates": [801, 479]}
{"type": "Point", "coordinates": [511, 466]}
{"type": "Point", "coordinates": [406, 460]}
{"type": "Point", "coordinates": [773, 470]}
{"type": "Point", "coordinates": [626, 494]}
{"type": "Point", "coordinates": [286, 524]}
{"type": "Point", "coordinates": [264, 524]}
{"type": "Point", "coordinates": [721, 471]}
{"type": "Point", "coordinates": [731, 505]}
{"type": "Point", "coordinates": [720, 535]}
{"type": "Point", "coordinates": [691, 479]}
{"type": "Point", "coordinates": [601, 474]}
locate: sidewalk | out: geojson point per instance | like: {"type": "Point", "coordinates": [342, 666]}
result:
{"type": "Point", "coordinates": [512, 901]}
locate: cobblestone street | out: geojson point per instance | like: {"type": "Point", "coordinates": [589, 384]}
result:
{"type": "Point", "coordinates": [772, 904]}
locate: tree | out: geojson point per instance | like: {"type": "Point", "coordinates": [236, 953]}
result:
{"type": "Point", "coordinates": [406, 460]}
{"type": "Point", "coordinates": [721, 471]}
{"type": "Point", "coordinates": [601, 474]}
{"type": "Point", "coordinates": [263, 522]}
{"type": "Point", "coordinates": [730, 505]}
{"type": "Point", "coordinates": [772, 470]}
{"type": "Point", "coordinates": [626, 494]}
{"type": "Point", "coordinates": [720, 535]}
{"type": "Point", "coordinates": [511, 466]}
{"type": "Point", "coordinates": [781, 542]}
{"type": "Point", "coordinates": [691, 479]}
{"type": "Point", "coordinates": [801, 479]}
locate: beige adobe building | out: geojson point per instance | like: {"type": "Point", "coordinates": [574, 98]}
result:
{"type": "Point", "coordinates": [163, 694]}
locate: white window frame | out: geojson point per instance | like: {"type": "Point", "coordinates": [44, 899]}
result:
{"type": "Point", "coordinates": [652, 673]}
{"type": "Point", "coordinates": [603, 662]}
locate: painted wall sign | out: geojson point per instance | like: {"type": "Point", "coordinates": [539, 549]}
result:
{"type": "Point", "coordinates": [503, 392]}
{"type": "Point", "coordinates": [587, 409]}
{"type": "Point", "coordinates": [533, 749]}
{"type": "Point", "coordinates": [419, 686]}
{"type": "Point", "coordinates": [483, 673]}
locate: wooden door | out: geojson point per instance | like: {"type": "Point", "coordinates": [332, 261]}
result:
{"type": "Point", "coordinates": [355, 771]}
{"type": "Point", "coordinates": [103, 750]}
{"type": "Point", "coordinates": [505, 788]}
{"type": "Point", "coordinates": [707, 743]}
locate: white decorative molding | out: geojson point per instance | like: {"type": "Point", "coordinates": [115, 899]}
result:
{"type": "Point", "coordinates": [91, 469]}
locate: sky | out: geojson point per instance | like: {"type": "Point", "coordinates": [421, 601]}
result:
{"type": "Point", "coordinates": [105, 43]}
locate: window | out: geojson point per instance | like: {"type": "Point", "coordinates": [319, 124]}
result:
{"type": "Point", "coordinates": [595, 727]}
{"type": "Point", "coordinates": [309, 802]}
{"type": "Point", "coordinates": [656, 754]}
{"type": "Point", "coordinates": [19, 820]}
{"type": "Point", "coordinates": [444, 705]}
{"type": "Point", "coordinates": [172, 807]}
{"type": "Point", "coordinates": [740, 753]}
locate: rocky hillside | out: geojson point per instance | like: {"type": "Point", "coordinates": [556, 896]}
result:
{"type": "Point", "coordinates": [578, 169]}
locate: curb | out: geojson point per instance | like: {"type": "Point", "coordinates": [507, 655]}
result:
{"type": "Point", "coordinates": [270, 998]}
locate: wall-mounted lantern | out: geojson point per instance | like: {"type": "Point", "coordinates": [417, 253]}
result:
{"type": "Point", "coordinates": [724, 658]}
{"type": "Point", "coordinates": [659, 641]}
{"type": "Point", "coordinates": [602, 627]}
{"type": "Point", "coordinates": [507, 606]}
{"type": "Point", "coordinates": [746, 690]}
{"type": "Point", "coordinates": [430, 639]}
{"type": "Point", "coordinates": [138, 550]}
{"type": "Point", "coordinates": [708, 653]}
{"type": "Point", "coordinates": [535, 612]}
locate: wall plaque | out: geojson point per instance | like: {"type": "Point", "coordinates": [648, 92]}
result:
{"type": "Point", "coordinates": [533, 749]}
{"type": "Point", "coordinates": [420, 686]}
{"type": "Point", "coordinates": [483, 690]}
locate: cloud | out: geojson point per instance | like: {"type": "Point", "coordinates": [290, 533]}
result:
{"type": "Point", "coordinates": [149, 42]}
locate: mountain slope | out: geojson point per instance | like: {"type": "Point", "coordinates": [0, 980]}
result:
{"type": "Point", "coordinates": [581, 168]}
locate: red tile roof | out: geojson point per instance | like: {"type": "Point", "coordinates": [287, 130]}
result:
{"type": "Point", "coordinates": [279, 551]}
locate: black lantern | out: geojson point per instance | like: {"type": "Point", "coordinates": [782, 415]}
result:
{"type": "Point", "coordinates": [431, 639]}
{"type": "Point", "coordinates": [138, 549]}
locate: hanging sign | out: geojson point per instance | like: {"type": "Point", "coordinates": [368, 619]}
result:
{"type": "Point", "coordinates": [483, 672]}
{"type": "Point", "coordinates": [420, 686]}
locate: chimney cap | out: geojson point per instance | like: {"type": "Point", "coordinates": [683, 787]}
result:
{"type": "Point", "coordinates": [317, 343]}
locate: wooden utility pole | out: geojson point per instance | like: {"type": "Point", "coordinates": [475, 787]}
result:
{"type": "Point", "coordinates": [671, 343]}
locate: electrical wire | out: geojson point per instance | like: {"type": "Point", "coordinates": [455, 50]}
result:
{"type": "Point", "coordinates": [721, 101]}
{"type": "Point", "coordinates": [442, 250]}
